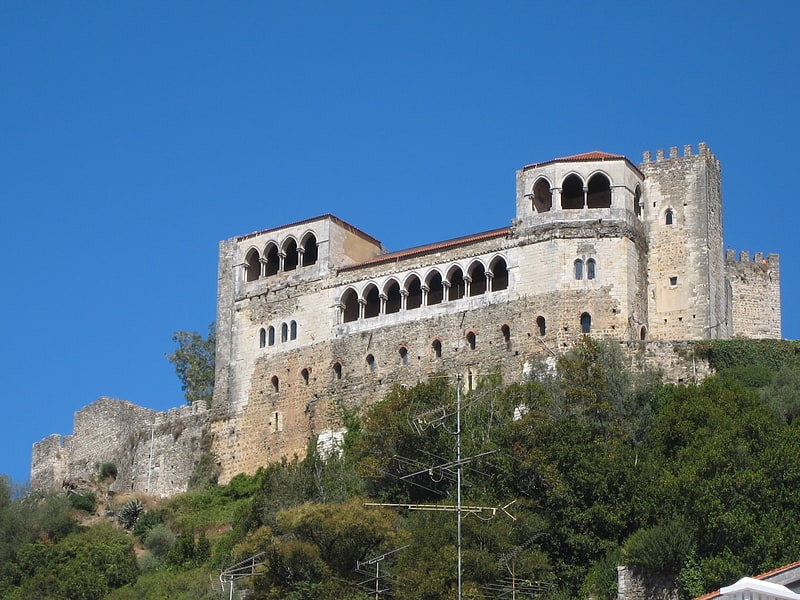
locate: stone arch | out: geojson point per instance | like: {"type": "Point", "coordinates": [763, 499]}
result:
{"type": "Point", "coordinates": [394, 300]}
{"type": "Point", "coordinates": [275, 383]}
{"type": "Point", "coordinates": [599, 191]}
{"type": "Point", "coordinates": [271, 336]}
{"type": "Point", "coordinates": [435, 287]}
{"type": "Point", "coordinates": [542, 200]}
{"type": "Point", "coordinates": [291, 256]}
{"type": "Point", "coordinates": [499, 271]}
{"type": "Point", "coordinates": [436, 346]}
{"type": "Point", "coordinates": [252, 265]}
{"type": "Point", "coordinates": [262, 338]}
{"type": "Point", "coordinates": [305, 373]}
{"type": "Point", "coordinates": [505, 331]}
{"type": "Point", "coordinates": [284, 332]}
{"type": "Point", "coordinates": [413, 288]}
{"type": "Point", "coordinates": [338, 369]}
{"type": "Point", "coordinates": [669, 217]}
{"type": "Point", "coordinates": [637, 201]}
{"type": "Point", "coordinates": [372, 300]}
{"type": "Point", "coordinates": [643, 333]}
{"type": "Point", "coordinates": [577, 268]}
{"type": "Point", "coordinates": [591, 268]}
{"type": "Point", "coordinates": [349, 306]}
{"type": "Point", "coordinates": [572, 195]}
{"type": "Point", "coordinates": [472, 339]}
{"type": "Point", "coordinates": [272, 259]}
{"type": "Point", "coordinates": [293, 330]}
{"type": "Point", "coordinates": [541, 324]}
{"type": "Point", "coordinates": [372, 364]}
{"type": "Point", "coordinates": [586, 323]}
{"type": "Point", "coordinates": [402, 350]}
{"type": "Point", "coordinates": [457, 288]}
{"type": "Point", "coordinates": [477, 276]}
{"type": "Point", "coordinates": [310, 251]}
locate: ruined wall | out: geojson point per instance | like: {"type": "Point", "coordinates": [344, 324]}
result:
{"type": "Point", "coordinates": [755, 293]}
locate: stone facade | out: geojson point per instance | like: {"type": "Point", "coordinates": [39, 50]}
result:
{"type": "Point", "coordinates": [316, 316]}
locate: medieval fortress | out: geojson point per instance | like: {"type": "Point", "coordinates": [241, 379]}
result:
{"type": "Point", "coordinates": [316, 315]}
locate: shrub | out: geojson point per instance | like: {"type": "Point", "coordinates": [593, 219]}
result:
{"type": "Point", "coordinates": [86, 502]}
{"type": "Point", "coordinates": [108, 470]}
{"type": "Point", "coordinates": [147, 522]}
{"type": "Point", "coordinates": [661, 549]}
{"type": "Point", "coordinates": [159, 540]}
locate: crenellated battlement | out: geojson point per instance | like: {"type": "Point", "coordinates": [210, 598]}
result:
{"type": "Point", "coordinates": [772, 261]}
{"type": "Point", "coordinates": [702, 150]}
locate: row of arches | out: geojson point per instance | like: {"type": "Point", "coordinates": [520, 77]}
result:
{"type": "Point", "coordinates": [266, 336]}
{"type": "Point", "coordinates": [577, 194]}
{"type": "Point", "coordinates": [431, 289]}
{"type": "Point", "coordinates": [274, 259]}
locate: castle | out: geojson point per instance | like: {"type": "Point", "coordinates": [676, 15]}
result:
{"type": "Point", "coordinates": [317, 315]}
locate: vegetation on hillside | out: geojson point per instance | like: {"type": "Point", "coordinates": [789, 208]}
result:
{"type": "Point", "coordinates": [599, 464]}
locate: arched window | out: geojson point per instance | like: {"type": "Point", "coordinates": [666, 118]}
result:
{"type": "Point", "coordinates": [284, 332]}
{"type": "Point", "coordinates": [669, 217]}
{"type": "Point", "coordinates": [252, 266]}
{"type": "Point", "coordinates": [310, 251]}
{"type": "Point", "coordinates": [471, 340]}
{"type": "Point", "coordinates": [572, 192]}
{"type": "Point", "coordinates": [505, 330]}
{"type": "Point", "coordinates": [643, 333]}
{"type": "Point", "coordinates": [435, 288]}
{"type": "Point", "coordinates": [637, 201]}
{"type": "Point", "coordinates": [403, 355]}
{"type": "Point", "coordinates": [290, 259]}
{"type": "Point", "coordinates": [586, 323]}
{"type": "Point", "coordinates": [271, 335]}
{"type": "Point", "coordinates": [275, 383]}
{"type": "Point", "coordinates": [393, 298]}
{"type": "Point", "coordinates": [350, 306]}
{"type": "Point", "coordinates": [373, 298]}
{"type": "Point", "coordinates": [273, 260]}
{"type": "Point", "coordinates": [414, 289]}
{"type": "Point", "coordinates": [477, 275]}
{"type": "Point", "coordinates": [337, 370]}
{"type": "Point", "coordinates": [542, 196]}
{"type": "Point", "coordinates": [437, 348]}
{"type": "Point", "coordinates": [293, 330]}
{"type": "Point", "coordinates": [305, 375]}
{"type": "Point", "coordinates": [578, 265]}
{"type": "Point", "coordinates": [499, 271]}
{"type": "Point", "coordinates": [599, 192]}
{"type": "Point", "coordinates": [457, 284]}
{"type": "Point", "coordinates": [591, 268]}
{"type": "Point", "coordinates": [542, 325]}
{"type": "Point", "coordinates": [262, 337]}
{"type": "Point", "coordinates": [371, 364]}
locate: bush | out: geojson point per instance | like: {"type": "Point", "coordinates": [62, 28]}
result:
{"type": "Point", "coordinates": [147, 522]}
{"type": "Point", "coordinates": [661, 549]}
{"type": "Point", "coordinates": [108, 470]}
{"type": "Point", "coordinates": [86, 502]}
{"type": "Point", "coordinates": [159, 540]}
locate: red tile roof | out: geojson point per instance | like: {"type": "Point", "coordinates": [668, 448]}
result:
{"type": "Point", "coordinates": [593, 156]}
{"type": "Point", "coordinates": [763, 576]}
{"type": "Point", "coordinates": [429, 248]}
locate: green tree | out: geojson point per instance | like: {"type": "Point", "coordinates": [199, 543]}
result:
{"type": "Point", "coordinates": [194, 363]}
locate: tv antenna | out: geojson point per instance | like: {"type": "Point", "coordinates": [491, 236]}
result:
{"type": "Point", "coordinates": [245, 568]}
{"type": "Point", "coordinates": [373, 584]}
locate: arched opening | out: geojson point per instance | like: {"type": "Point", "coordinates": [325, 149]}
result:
{"type": "Point", "coordinates": [542, 196]}
{"type": "Point", "coordinates": [284, 332]}
{"type": "Point", "coordinates": [275, 383]}
{"type": "Point", "coordinates": [477, 275]}
{"type": "Point", "coordinates": [599, 193]}
{"type": "Point", "coordinates": [435, 288]}
{"type": "Point", "coordinates": [414, 289]}
{"type": "Point", "coordinates": [403, 351]}
{"type": "Point", "coordinates": [262, 338]}
{"type": "Point", "coordinates": [586, 323]}
{"type": "Point", "coordinates": [637, 201]}
{"type": "Point", "coordinates": [436, 345]}
{"type": "Point", "coordinates": [371, 364]}
{"type": "Point", "coordinates": [591, 269]}
{"type": "Point", "coordinates": [373, 298]}
{"type": "Point", "coordinates": [291, 255]}
{"type": "Point", "coordinates": [471, 340]}
{"type": "Point", "coordinates": [669, 217]}
{"type": "Point", "coordinates": [499, 271]}
{"type": "Point", "coordinates": [393, 298]}
{"type": "Point", "coordinates": [457, 284]}
{"type": "Point", "coordinates": [337, 370]}
{"type": "Point", "coordinates": [273, 260]}
{"type": "Point", "coordinates": [305, 375]}
{"type": "Point", "coordinates": [293, 330]}
{"type": "Point", "coordinates": [643, 333]}
{"type": "Point", "coordinates": [252, 265]}
{"type": "Point", "coordinates": [350, 304]}
{"type": "Point", "coordinates": [572, 192]}
{"type": "Point", "coordinates": [578, 269]}
{"type": "Point", "coordinates": [271, 335]}
{"type": "Point", "coordinates": [505, 330]}
{"type": "Point", "coordinates": [310, 253]}
{"type": "Point", "coordinates": [542, 325]}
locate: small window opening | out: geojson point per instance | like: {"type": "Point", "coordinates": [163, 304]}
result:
{"type": "Point", "coordinates": [578, 269]}
{"type": "Point", "coordinates": [673, 281]}
{"type": "Point", "coordinates": [275, 383]}
{"type": "Point", "coordinates": [262, 337]}
{"type": "Point", "coordinates": [437, 348]}
{"type": "Point", "coordinates": [591, 267]}
{"type": "Point", "coordinates": [506, 331]}
{"type": "Point", "coordinates": [271, 335]}
{"type": "Point", "coordinates": [586, 323]}
{"type": "Point", "coordinates": [542, 325]}
{"type": "Point", "coordinates": [277, 422]}
{"type": "Point", "coordinates": [403, 355]}
{"type": "Point", "coordinates": [371, 363]}
{"type": "Point", "coordinates": [284, 332]}
{"type": "Point", "coordinates": [669, 218]}
{"type": "Point", "coordinates": [337, 370]}
{"type": "Point", "coordinates": [305, 375]}
{"type": "Point", "coordinates": [471, 341]}
{"type": "Point", "coordinates": [643, 334]}
{"type": "Point", "coordinates": [293, 330]}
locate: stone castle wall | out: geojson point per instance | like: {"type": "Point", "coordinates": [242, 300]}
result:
{"type": "Point", "coordinates": [756, 287]}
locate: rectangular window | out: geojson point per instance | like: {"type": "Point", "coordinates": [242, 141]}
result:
{"type": "Point", "coordinates": [673, 281]}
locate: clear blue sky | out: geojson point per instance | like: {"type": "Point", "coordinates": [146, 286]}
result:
{"type": "Point", "coordinates": [136, 135]}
